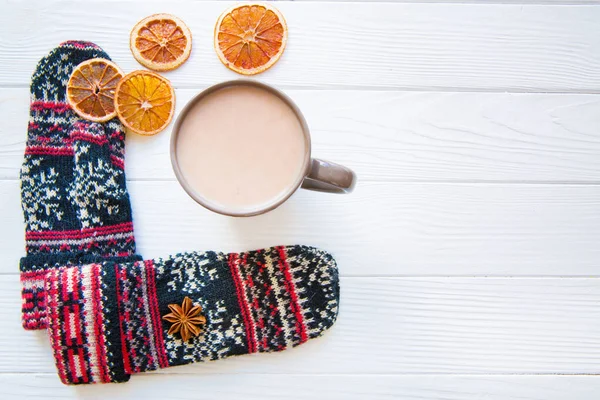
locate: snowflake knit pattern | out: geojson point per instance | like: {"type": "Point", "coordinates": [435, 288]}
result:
{"type": "Point", "coordinates": [73, 191]}
{"type": "Point", "coordinates": [105, 319]}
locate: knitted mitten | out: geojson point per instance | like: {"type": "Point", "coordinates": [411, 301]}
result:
{"type": "Point", "coordinates": [73, 191]}
{"type": "Point", "coordinates": [107, 321]}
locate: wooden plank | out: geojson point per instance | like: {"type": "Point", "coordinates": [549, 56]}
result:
{"type": "Point", "coordinates": [394, 45]}
{"type": "Point", "coordinates": [346, 387]}
{"type": "Point", "coordinates": [400, 136]}
{"type": "Point", "coordinates": [404, 326]}
{"type": "Point", "coordinates": [380, 229]}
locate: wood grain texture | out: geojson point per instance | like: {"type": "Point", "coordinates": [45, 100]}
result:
{"type": "Point", "coordinates": [393, 45]}
{"type": "Point", "coordinates": [381, 229]}
{"type": "Point", "coordinates": [302, 387]}
{"type": "Point", "coordinates": [400, 136]}
{"type": "Point", "coordinates": [404, 326]}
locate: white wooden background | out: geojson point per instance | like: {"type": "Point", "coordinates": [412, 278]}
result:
{"type": "Point", "coordinates": [470, 251]}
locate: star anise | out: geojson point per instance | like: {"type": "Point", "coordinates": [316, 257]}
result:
{"type": "Point", "coordinates": [185, 319]}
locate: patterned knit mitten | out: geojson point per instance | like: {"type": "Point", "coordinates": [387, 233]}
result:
{"type": "Point", "coordinates": [59, 157]}
{"type": "Point", "coordinates": [107, 321]}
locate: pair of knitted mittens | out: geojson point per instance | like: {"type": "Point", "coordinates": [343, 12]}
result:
{"type": "Point", "coordinates": [108, 313]}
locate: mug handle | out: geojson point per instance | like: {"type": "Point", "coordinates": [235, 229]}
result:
{"type": "Point", "coordinates": [326, 176]}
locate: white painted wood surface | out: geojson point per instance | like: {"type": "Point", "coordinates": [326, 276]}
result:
{"type": "Point", "coordinates": [469, 252]}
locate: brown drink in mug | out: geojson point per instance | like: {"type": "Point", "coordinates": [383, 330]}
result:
{"type": "Point", "coordinates": [242, 148]}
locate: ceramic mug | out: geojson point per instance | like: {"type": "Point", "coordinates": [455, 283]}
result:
{"type": "Point", "coordinates": [315, 174]}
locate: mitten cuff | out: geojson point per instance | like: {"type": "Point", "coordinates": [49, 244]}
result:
{"type": "Point", "coordinates": [33, 271]}
{"type": "Point", "coordinates": [83, 324]}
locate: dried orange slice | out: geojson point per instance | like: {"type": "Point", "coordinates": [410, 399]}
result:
{"type": "Point", "coordinates": [161, 42]}
{"type": "Point", "coordinates": [250, 38]}
{"type": "Point", "coordinates": [91, 89]}
{"type": "Point", "coordinates": [145, 102]}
